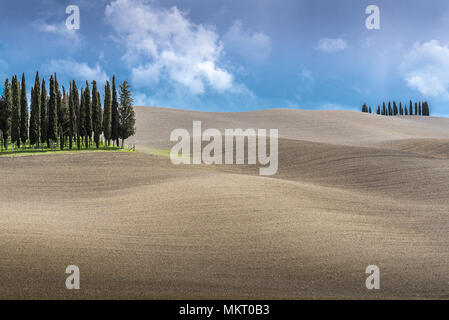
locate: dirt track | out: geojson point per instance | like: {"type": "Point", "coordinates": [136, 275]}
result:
{"type": "Point", "coordinates": [347, 195]}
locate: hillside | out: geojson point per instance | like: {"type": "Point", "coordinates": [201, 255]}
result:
{"type": "Point", "coordinates": [352, 190]}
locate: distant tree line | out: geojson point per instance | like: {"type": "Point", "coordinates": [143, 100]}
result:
{"type": "Point", "coordinates": [416, 109]}
{"type": "Point", "coordinates": [73, 117]}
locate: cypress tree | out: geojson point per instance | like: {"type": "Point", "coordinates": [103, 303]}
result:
{"type": "Point", "coordinates": [127, 117]}
{"type": "Point", "coordinates": [35, 122]}
{"type": "Point", "coordinates": [73, 113]}
{"type": "Point", "coordinates": [44, 120]}
{"type": "Point", "coordinates": [96, 114]}
{"type": "Point", "coordinates": [6, 108]}
{"type": "Point", "coordinates": [59, 113]}
{"type": "Point", "coordinates": [82, 117]}
{"type": "Point", "coordinates": [405, 109]}
{"type": "Point", "coordinates": [378, 110]}
{"type": "Point", "coordinates": [420, 110]}
{"type": "Point", "coordinates": [23, 113]}
{"type": "Point", "coordinates": [395, 108]}
{"type": "Point", "coordinates": [384, 109]}
{"type": "Point", "coordinates": [100, 114]}
{"type": "Point", "coordinates": [52, 128]}
{"type": "Point", "coordinates": [411, 108]}
{"type": "Point", "coordinates": [63, 118]}
{"type": "Point", "coordinates": [30, 133]}
{"type": "Point", "coordinates": [401, 111]}
{"type": "Point", "coordinates": [107, 115]}
{"type": "Point", "coordinates": [416, 108]}
{"type": "Point", "coordinates": [71, 117]}
{"type": "Point", "coordinates": [77, 107]}
{"type": "Point", "coordinates": [15, 117]}
{"type": "Point", "coordinates": [426, 111]}
{"type": "Point", "coordinates": [88, 114]}
{"type": "Point", "coordinates": [390, 112]}
{"type": "Point", "coordinates": [115, 115]}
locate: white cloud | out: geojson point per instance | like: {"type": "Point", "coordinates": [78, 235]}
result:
{"type": "Point", "coordinates": [162, 44]}
{"type": "Point", "coordinates": [141, 99]}
{"type": "Point", "coordinates": [71, 37]}
{"type": "Point", "coordinates": [331, 45]}
{"type": "Point", "coordinates": [426, 68]}
{"type": "Point", "coordinates": [253, 46]}
{"type": "Point", "coordinates": [81, 71]}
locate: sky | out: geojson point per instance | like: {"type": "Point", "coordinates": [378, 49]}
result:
{"type": "Point", "coordinates": [229, 55]}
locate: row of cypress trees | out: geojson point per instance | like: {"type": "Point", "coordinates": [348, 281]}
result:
{"type": "Point", "coordinates": [421, 109]}
{"type": "Point", "coordinates": [71, 116]}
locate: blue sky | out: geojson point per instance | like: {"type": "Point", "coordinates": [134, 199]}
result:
{"type": "Point", "coordinates": [228, 55]}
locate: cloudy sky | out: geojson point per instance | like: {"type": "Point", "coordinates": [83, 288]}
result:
{"type": "Point", "coordinates": [238, 55]}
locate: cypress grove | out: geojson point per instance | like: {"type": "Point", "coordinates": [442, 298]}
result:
{"type": "Point", "coordinates": [421, 109]}
{"type": "Point", "coordinates": [62, 117]}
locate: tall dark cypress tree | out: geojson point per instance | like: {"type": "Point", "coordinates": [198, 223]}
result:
{"type": "Point", "coordinates": [390, 112]}
{"type": "Point", "coordinates": [405, 109]}
{"type": "Point", "coordinates": [416, 108]}
{"type": "Point", "coordinates": [15, 117]}
{"type": "Point", "coordinates": [411, 108]}
{"type": "Point", "coordinates": [115, 116]}
{"type": "Point", "coordinates": [401, 111]}
{"type": "Point", "coordinates": [72, 116]}
{"type": "Point", "coordinates": [44, 111]}
{"type": "Point", "coordinates": [96, 114]}
{"type": "Point", "coordinates": [426, 111]}
{"type": "Point", "coordinates": [107, 115]}
{"type": "Point", "coordinates": [127, 117]}
{"type": "Point", "coordinates": [30, 133]}
{"type": "Point", "coordinates": [35, 119]}
{"type": "Point", "coordinates": [6, 109]}
{"type": "Point", "coordinates": [419, 109]}
{"type": "Point", "coordinates": [100, 114]}
{"type": "Point", "coordinates": [88, 114]}
{"type": "Point", "coordinates": [52, 128]}
{"type": "Point", "coordinates": [77, 107]}
{"type": "Point", "coordinates": [384, 109]}
{"type": "Point", "coordinates": [395, 108]}
{"type": "Point", "coordinates": [63, 118]}
{"type": "Point", "coordinates": [82, 118]}
{"type": "Point", "coordinates": [378, 110]}
{"type": "Point", "coordinates": [23, 113]}
{"type": "Point", "coordinates": [59, 114]}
